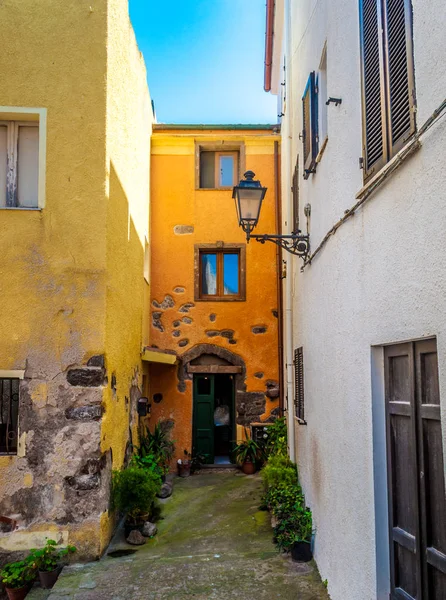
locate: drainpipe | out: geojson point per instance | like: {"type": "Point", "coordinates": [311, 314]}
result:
{"type": "Point", "coordinates": [270, 5]}
{"type": "Point", "coordinates": [279, 257]}
{"type": "Point", "coordinates": [289, 278]}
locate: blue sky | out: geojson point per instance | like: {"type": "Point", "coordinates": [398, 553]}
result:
{"type": "Point", "coordinates": [205, 59]}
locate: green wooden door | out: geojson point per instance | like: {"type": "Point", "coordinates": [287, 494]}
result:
{"type": "Point", "coordinates": [203, 419]}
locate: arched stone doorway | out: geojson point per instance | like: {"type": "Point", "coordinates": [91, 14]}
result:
{"type": "Point", "coordinates": [217, 365]}
{"type": "Point", "coordinates": [218, 378]}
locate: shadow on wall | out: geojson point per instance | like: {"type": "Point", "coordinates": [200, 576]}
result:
{"type": "Point", "coordinates": [126, 306]}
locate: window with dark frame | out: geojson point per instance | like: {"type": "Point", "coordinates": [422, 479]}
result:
{"type": "Point", "coordinates": [9, 415]}
{"type": "Point", "coordinates": [220, 272]}
{"type": "Point", "coordinates": [299, 400]}
{"type": "Point", "coordinates": [388, 84]}
{"type": "Point", "coordinates": [218, 170]}
{"type": "Point", "coordinates": [310, 137]}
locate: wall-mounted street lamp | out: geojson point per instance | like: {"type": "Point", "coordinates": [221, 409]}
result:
{"type": "Point", "coordinates": [248, 195]}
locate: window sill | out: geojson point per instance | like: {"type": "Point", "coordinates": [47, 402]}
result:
{"type": "Point", "coordinates": [220, 299]}
{"type": "Point", "coordinates": [219, 189]}
{"type": "Point", "coordinates": [22, 208]}
{"type": "Point", "coordinates": [412, 146]}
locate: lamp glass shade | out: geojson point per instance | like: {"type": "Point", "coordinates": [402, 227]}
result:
{"type": "Point", "coordinates": [248, 196]}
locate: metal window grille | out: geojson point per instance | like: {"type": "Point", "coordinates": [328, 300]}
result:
{"type": "Point", "coordinates": [9, 413]}
{"type": "Point", "coordinates": [299, 399]}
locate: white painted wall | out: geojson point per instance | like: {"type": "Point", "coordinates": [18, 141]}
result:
{"type": "Point", "coordinates": [381, 279]}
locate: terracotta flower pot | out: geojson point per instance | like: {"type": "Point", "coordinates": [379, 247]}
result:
{"type": "Point", "coordinates": [184, 469]}
{"type": "Point", "coordinates": [248, 468]}
{"type": "Point", "coordinates": [17, 593]}
{"type": "Point", "coordinates": [49, 578]}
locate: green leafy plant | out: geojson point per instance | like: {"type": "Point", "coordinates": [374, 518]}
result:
{"type": "Point", "coordinates": [49, 557]}
{"type": "Point", "coordinates": [158, 445]}
{"type": "Point", "coordinates": [248, 451]}
{"type": "Point", "coordinates": [134, 492]}
{"type": "Point", "coordinates": [18, 574]}
{"type": "Point", "coordinates": [148, 462]}
{"type": "Point", "coordinates": [276, 440]}
{"type": "Point", "coordinates": [296, 527]}
{"type": "Point", "coordinates": [279, 471]}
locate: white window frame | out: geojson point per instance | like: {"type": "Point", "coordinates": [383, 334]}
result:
{"type": "Point", "coordinates": [23, 116]}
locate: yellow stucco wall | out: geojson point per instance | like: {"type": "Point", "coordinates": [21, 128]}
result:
{"type": "Point", "coordinates": [176, 201]}
{"type": "Point", "coordinates": [129, 121]}
{"type": "Point", "coordinates": [71, 275]}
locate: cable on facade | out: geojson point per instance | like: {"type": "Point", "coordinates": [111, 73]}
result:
{"type": "Point", "coordinates": [388, 170]}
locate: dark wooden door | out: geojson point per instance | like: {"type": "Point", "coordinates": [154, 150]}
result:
{"type": "Point", "coordinates": [415, 472]}
{"type": "Point", "coordinates": [203, 417]}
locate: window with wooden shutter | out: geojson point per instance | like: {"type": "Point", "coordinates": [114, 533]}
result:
{"type": "Point", "coordinates": [299, 400]}
{"type": "Point", "coordinates": [388, 93]}
{"type": "Point", "coordinates": [310, 126]}
{"type": "Point", "coordinates": [295, 192]}
{"type": "Point", "coordinates": [400, 72]}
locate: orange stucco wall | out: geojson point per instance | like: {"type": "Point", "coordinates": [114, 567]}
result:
{"type": "Point", "coordinates": [176, 201]}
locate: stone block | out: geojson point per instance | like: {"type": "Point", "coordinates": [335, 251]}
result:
{"type": "Point", "coordinates": [150, 529]}
{"type": "Point", "coordinates": [259, 329]}
{"type": "Point", "coordinates": [136, 538]}
{"type": "Point", "coordinates": [90, 481]}
{"type": "Point", "coordinates": [185, 308]}
{"type": "Point", "coordinates": [84, 413]}
{"type": "Point", "coordinates": [96, 361]}
{"type": "Point", "coordinates": [183, 229]}
{"type": "Point", "coordinates": [86, 376]}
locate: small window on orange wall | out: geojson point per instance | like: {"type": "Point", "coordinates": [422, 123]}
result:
{"type": "Point", "coordinates": [220, 272]}
{"type": "Point", "coordinates": [218, 170]}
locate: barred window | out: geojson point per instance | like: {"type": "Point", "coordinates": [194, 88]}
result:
{"type": "Point", "coordinates": [9, 415]}
{"type": "Point", "coordinates": [299, 401]}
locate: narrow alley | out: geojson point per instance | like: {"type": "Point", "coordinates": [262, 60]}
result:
{"type": "Point", "coordinates": [213, 542]}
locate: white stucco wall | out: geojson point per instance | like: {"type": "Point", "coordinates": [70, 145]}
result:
{"type": "Point", "coordinates": [381, 279]}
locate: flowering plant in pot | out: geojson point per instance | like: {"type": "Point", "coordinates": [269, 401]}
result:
{"type": "Point", "coordinates": [18, 577]}
{"type": "Point", "coordinates": [247, 454]}
{"type": "Point", "coordinates": [134, 493]}
{"type": "Point", "coordinates": [48, 562]}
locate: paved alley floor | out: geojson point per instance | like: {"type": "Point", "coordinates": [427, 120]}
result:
{"type": "Point", "coordinates": [212, 543]}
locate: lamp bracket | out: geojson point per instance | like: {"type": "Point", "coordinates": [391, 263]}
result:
{"type": "Point", "coordinates": [294, 243]}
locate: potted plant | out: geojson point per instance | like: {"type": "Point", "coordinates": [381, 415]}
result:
{"type": "Point", "coordinates": [184, 465]}
{"type": "Point", "coordinates": [294, 532]}
{"type": "Point", "coordinates": [134, 493]}
{"type": "Point", "coordinates": [18, 577]}
{"type": "Point", "coordinates": [247, 454]}
{"type": "Point", "coordinates": [157, 448]}
{"type": "Point", "coordinates": [48, 562]}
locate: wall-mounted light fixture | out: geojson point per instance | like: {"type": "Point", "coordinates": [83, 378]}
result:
{"type": "Point", "coordinates": [248, 195]}
{"type": "Point", "coordinates": [144, 407]}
